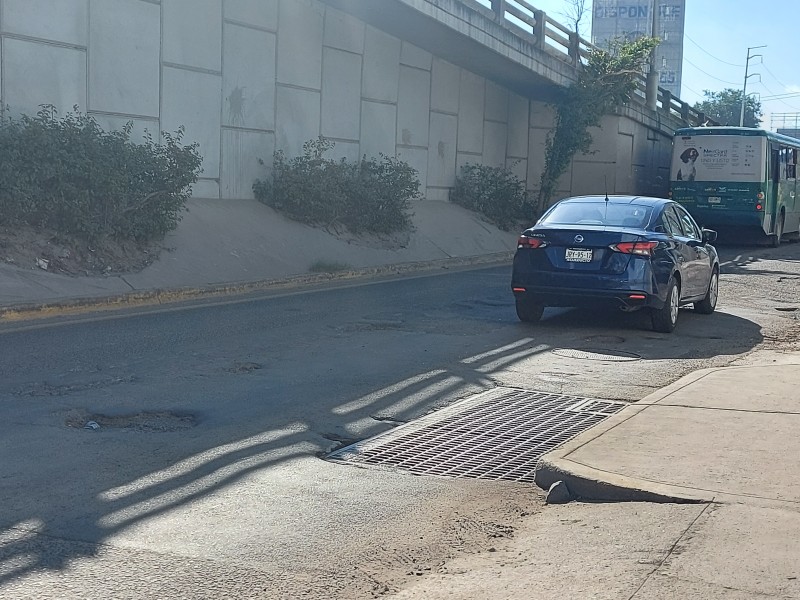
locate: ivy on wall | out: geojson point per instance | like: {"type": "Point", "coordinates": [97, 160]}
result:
{"type": "Point", "coordinates": [606, 81]}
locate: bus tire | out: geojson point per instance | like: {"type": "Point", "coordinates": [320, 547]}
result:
{"type": "Point", "coordinates": [776, 239]}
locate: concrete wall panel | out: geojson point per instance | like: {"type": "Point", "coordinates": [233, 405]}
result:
{"type": "Point", "coordinates": [412, 56]}
{"type": "Point", "coordinates": [442, 150]}
{"type": "Point", "coordinates": [300, 43]}
{"type": "Point", "coordinates": [341, 94]}
{"type": "Point", "coordinates": [138, 131]}
{"type": "Point", "coordinates": [206, 188]}
{"type": "Point", "coordinates": [445, 78]}
{"type": "Point", "coordinates": [518, 167]}
{"type": "Point", "coordinates": [347, 150]}
{"type": "Point", "coordinates": [417, 158]}
{"type": "Point", "coordinates": [241, 151]}
{"type": "Point", "coordinates": [192, 33]}
{"type": "Point", "coordinates": [496, 102]}
{"type": "Point", "coordinates": [193, 100]}
{"type": "Point", "coordinates": [63, 21]}
{"type": "Point", "coordinates": [381, 66]}
{"type": "Point", "coordinates": [467, 158]}
{"type": "Point", "coordinates": [378, 127]}
{"type": "Point", "coordinates": [470, 113]}
{"type": "Point", "coordinates": [257, 13]}
{"type": "Point", "coordinates": [542, 115]}
{"type": "Point", "coordinates": [35, 74]}
{"type": "Point", "coordinates": [413, 107]}
{"type": "Point", "coordinates": [248, 78]}
{"type": "Point", "coordinates": [517, 127]}
{"type": "Point", "coordinates": [297, 119]}
{"type": "Point", "coordinates": [495, 139]}
{"type": "Point", "coordinates": [124, 60]}
{"type": "Point", "coordinates": [343, 31]}
{"type": "Point", "coordinates": [589, 178]}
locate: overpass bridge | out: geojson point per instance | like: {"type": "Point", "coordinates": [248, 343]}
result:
{"type": "Point", "coordinates": [439, 83]}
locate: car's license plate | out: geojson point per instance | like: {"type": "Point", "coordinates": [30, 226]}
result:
{"type": "Point", "coordinates": [578, 255]}
{"type": "Point", "coordinates": [714, 199]}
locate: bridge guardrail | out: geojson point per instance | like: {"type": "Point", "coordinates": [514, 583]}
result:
{"type": "Point", "coordinates": [561, 42]}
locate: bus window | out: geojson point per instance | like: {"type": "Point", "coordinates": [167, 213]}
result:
{"type": "Point", "coordinates": [775, 164]}
{"type": "Point", "coordinates": [791, 164]}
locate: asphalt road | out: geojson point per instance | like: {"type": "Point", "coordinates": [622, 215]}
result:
{"type": "Point", "coordinates": [204, 478]}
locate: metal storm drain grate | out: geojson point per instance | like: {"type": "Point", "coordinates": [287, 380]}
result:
{"type": "Point", "coordinates": [499, 434]}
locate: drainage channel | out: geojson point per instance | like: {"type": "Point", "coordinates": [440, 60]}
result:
{"type": "Point", "coordinates": [498, 434]}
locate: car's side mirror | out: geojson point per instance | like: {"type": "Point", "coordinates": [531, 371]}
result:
{"type": "Point", "coordinates": [709, 236]}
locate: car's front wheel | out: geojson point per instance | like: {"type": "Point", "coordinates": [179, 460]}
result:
{"type": "Point", "coordinates": [665, 318]}
{"type": "Point", "coordinates": [707, 305]}
{"type": "Point", "coordinates": [527, 311]}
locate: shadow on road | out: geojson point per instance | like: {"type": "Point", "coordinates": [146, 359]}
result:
{"type": "Point", "coordinates": [67, 492]}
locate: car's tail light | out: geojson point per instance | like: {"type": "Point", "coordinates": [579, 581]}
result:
{"type": "Point", "coordinates": [637, 248]}
{"type": "Point", "coordinates": [528, 242]}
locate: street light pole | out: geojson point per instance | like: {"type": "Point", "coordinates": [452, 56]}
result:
{"type": "Point", "coordinates": [744, 87]}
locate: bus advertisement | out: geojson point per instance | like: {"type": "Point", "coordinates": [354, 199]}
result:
{"type": "Point", "coordinates": [738, 180]}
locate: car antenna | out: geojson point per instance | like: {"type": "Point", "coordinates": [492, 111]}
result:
{"type": "Point", "coordinates": [605, 216]}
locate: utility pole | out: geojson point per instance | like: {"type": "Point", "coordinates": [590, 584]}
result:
{"type": "Point", "coordinates": [746, 76]}
{"type": "Point", "coordinates": [651, 89]}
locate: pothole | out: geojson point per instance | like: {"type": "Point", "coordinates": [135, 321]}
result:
{"type": "Point", "coordinates": [787, 308]}
{"type": "Point", "coordinates": [160, 421]}
{"type": "Point", "coordinates": [605, 354]}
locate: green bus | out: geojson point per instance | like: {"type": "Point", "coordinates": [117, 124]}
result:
{"type": "Point", "coordinates": [739, 181]}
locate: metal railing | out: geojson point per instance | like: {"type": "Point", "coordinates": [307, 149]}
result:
{"type": "Point", "coordinates": [561, 42]}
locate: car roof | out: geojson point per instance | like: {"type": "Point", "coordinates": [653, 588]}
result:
{"type": "Point", "coordinates": [620, 199]}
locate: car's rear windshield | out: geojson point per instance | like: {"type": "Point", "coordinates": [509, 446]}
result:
{"type": "Point", "coordinates": [599, 213]}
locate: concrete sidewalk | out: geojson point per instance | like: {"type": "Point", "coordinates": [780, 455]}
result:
{"type": "Point", "coordinates": [721, 444]}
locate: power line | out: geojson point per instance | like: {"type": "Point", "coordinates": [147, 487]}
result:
{"type": "Point", "coordinates": [709, 53]}
{"type": "Point", "coordinates": [709, 74]}
{"type": "Point", "coordinates": [783, 85]}
{"type": "Point", "coordinates": [775, 97]}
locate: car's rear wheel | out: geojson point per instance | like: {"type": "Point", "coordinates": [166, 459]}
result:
{"type": "Point", "coordinates": [527, 311]}
{"type": "Point", "coordinates": [708, 304]}
{"type": "Point", "coordinates": [664, 319]}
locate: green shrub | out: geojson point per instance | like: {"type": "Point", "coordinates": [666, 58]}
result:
{"type": "Point", "coordinates": [69, 175]}
{"type": "Point", "coordinates": [371, 195]}
{"type": "Point", "coordinates": [494, 192]}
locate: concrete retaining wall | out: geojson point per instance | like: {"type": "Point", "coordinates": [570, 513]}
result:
{"type": "Point", "coordinates": [246, 77]}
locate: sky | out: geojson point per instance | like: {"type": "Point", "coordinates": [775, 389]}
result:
{"type": "Point", "coordinates": [716, 38]}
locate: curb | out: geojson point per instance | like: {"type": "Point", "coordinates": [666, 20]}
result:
{"type": "Point", "coordinates": [590, 484]}
{"type": "Point", "coordinates": [22, 312]}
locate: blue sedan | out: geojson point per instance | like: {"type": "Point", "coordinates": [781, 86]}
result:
{"type": "Point", "coordinates": [629, 251]}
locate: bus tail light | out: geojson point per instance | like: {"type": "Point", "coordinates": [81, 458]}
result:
{"type": "Point", "coordinates": [759, 206]}
{"type": "Point", "coordinates": [760, 195]}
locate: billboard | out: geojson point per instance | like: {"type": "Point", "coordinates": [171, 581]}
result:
{"type": "Point", "coordinates": [633, 18]}
{"type": "Point", "coordinates": [727, 158]}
